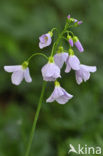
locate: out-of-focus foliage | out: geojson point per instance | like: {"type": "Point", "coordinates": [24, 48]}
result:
{"type": "Point", "coordinates": [80, 120]}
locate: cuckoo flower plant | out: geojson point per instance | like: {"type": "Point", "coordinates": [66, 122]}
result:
{"type": "Point", "coordinates": [51, 71]}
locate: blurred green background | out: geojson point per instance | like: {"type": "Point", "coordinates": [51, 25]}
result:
{"type": "Point", "coordinates": [80, 120]}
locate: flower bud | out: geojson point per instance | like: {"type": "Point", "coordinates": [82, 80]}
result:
{"type": "Point", "coordinates": [78, 44]}
{"type": "Point", "coordinates": [70, 40]}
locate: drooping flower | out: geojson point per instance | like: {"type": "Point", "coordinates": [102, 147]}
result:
{"type": "Point", "coordinates": [60, 59]}
{"type": "Point", "coordinates": [84, 73]}
{"type": "Point", "coordinates": [45, 40]}
{"type": "Point", "coordinates": [72, 62]}
{"type": "Point", "coordinates": [50, 71]}
{"type": "Point", "coordinates": [19, 72]}
{"type": "Point", "coordinates": [59, 95]}
{"type": "Point", "coordinates": [78, 44]}
{"type": "Point", "coordinates": [70, 40]}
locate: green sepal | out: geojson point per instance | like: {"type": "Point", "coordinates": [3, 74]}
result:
{"type": "Point", "coordinates": [60, 49]}
{"type": "Point", "coordinates": [75, 39]}
{"type": "Point", "coordinates": [57, 83]}
{"type": "Point", "coordinates": [25, 64]}
{"type": "Point", "coordinates": [69, 37]}
{"type": "Point", "coordinates": [71, 52]}
{"type": "Point", "coordinates": [71, 20]}
{"type": "Point", "coordinates": [51, 59]}
{"type": "Point", "coordinates": [51, 33]}
{"type": "Point", "coordinates": [76, 24]}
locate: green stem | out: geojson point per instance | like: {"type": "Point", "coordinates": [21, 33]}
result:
{"type": "Point", "coordinates": [69, 32]}
{"type": "Point", "coordinates": [35, 120]}
{"type": "Point", "coordinates": [54, 30]}
{"type": "Point", "coordinates": [35, 55]}
{"type": "Point", "coordinates": [58, 39]}
{"type": "Point", "coordinates": [56, 44]}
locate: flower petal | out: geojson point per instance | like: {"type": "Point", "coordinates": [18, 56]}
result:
{"type": "Point", "coordinates": [60, 95]}
{"type": "Point", "coordinates": [56, 94]}
{"type": "Point", "coordinates": [89, 68]}
{"type": "Point", "coordinates": [86, 75]}
{"type": "Point", "coordinates": [60, 58]}
{"type": "Point", "coordinates": [79, 77]}
{"type": "Point", "coordinates": [27, 75]}
{"type": "Point", "coordinates": [49, 39]}
{"type": "Point", "coordinates": [12, 68]}
{"type": "Point", "coordinates": [68, 68]}
{"type": "Point", "coordinates": [50, 99]}
{"type": "Point", "coordinates": [64, 98]}
{"type": "Point", "coordinates": [17, 77]}
{"type": "Point", "coordinates": [67, 94]}
{"type": "Point", "coordinates": [42, 38]}
{"type": "Point", "coordinates": [41, 45]}
{"type": "Point", "coordinates": [74, 62]}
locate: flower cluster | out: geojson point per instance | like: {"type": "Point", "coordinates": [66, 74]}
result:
{"type": "Point", "coordinates": [52, 70]}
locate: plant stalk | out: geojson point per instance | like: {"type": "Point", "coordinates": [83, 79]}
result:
{"type": "Point", "coordinates": [35, 120]}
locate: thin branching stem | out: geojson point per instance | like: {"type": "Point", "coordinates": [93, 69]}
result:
{"type": "Point", "coordinates": [35, 120]}
{"type": "Point", "coordinates": [35, 55]}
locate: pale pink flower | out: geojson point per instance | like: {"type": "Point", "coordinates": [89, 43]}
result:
{"type": "Point", "coordinates": [45, 40]}
{"type": "Point", "coordinates": [60, 59]}
{"type": "Point", "coordinates": [72, 63]}
{"type": "Point", "coordinates": [18, 74]}
{"type": "Point", "coordinates": [83, 74]}
{"type": "Point", "coordinates": [50, 72]}
{"type": "Point", "coordinates": [59, 95]}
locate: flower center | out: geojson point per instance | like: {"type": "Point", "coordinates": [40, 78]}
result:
{"type": "Point", "coordinates": [45, 39]}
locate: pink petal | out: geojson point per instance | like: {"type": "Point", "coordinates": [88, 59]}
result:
{"type": "Point", "coordinates": [89, 68]}
{"type": "Point", "coordinates": [12, 68]}
{"type": "Point", "coordinates": [74, 62]}
{"type": "Point", "coordinates": [60, 59]}
{"type": "Point", "coordinates": [27, 75]}
{"type": "Point", "coordinates": [78, 78]}
{"type": "Point", "coordinates": [17, 77]}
